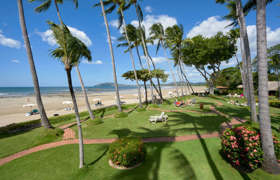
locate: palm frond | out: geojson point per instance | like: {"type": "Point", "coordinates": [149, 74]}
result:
{"type": "Point", "coordinates": [44, 6]}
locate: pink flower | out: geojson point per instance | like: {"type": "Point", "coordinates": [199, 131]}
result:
{"type": "Point", "coordinates": [254, 150]}
{"type": "Point", "coordinates": [237, 162]}
{"type": "Point", "coordinates": [247, 149]}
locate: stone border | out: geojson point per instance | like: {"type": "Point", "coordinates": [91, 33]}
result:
{"type": "Point", "coordinates": [122, 167]}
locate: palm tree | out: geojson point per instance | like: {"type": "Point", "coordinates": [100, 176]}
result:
{"type": "Point", "coordinates": [174, 40]}
{"type": "Point", "coordinates": [237, 15]}
{"type": "Point", "coordinates": [111, 52]}
{"type": "Point", "coordinates": [69, 52]}
{"type": "Point", "coordinates": [270, 162]}
{"type": "Point", "coordinates": [157, 33]}
{"type": "Point", "coordinates": [135, 39]}
{"type": "Point", "coordinates": [45, 5]}
{"type": "Point", "coordinates": [44, 119]}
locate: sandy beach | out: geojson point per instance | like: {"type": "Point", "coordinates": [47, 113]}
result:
{"type": "Point", "coordinates": [12, 110]}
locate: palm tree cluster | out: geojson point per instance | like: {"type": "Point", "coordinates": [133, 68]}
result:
{"type": "Point", "coordinates": [70, 50]}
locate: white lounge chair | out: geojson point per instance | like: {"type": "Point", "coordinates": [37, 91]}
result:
{"type": "Point", "coordinates": [159, 118]}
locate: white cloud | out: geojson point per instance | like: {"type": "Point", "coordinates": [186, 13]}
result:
{"type": "Point", "coordinates": [8, 42]}
{"type": "Point", "coordinates": [113, 39]}
{"type": "Point", "coordinates": [15, 61]}
{"type": "Point", "coordinates": [92, 62]}
{"type": "Point", "coordinates": [48, 37]}
{"type": "Point", "coordinates": [149, 20]}
{"type": "Point", "coordinates": [209, 27]}
{"type": "Point", "coordinates": [148, 9]}
{"type": "Point", "coordinates": [156, 60]}
{"type": "Point", "coordinates": [114, 23]}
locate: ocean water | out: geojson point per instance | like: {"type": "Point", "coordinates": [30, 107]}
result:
{"type": "Point", "coordinates": [28, 91]}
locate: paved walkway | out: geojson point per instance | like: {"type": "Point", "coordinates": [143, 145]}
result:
{"type": "Point", "coordinates": [69, 138]}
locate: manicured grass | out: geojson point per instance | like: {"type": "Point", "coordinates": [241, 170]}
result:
{"type": "Point", "coordinates": [17, 143]}
{"type": "Point", "coordinates": [164, 161]}
{"type": "Point", "coordinates": [137, 124]}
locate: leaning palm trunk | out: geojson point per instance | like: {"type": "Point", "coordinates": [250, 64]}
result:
{"type": "Point", "coordinates": [132, 60]}
{"type": "Point", "coordinates": [139, 58]}
{"type": "Point", "coordinates": [189, 86]}
{"type": "Point", "coordinates": [244, 39]}
{"type": "Point", "coordinates": [81, 145]}
{"type": "Point", "coordinates": [44, 119]}
{"type": "Point", "coordinates": [270, 162]}
{"type": "Point", "coordinates": [58, 13]}
{"type": "Point", "coordinates": [242, 77]}
{"type": "Point", "coordinates": [172, 73]}
{"type": "Point", "coordinates": [181, 81]}
{"type": "Point", "coordinates": [185, 77]}
{"type": "Point", "coordinates": [112, 57]}
{"type": "Point", "coordinates": [85, 93]}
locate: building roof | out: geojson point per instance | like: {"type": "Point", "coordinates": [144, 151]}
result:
{"type": "Point", "coordinates": [273, 85]}
{"type": "Point", "coordinates": [221, 87]}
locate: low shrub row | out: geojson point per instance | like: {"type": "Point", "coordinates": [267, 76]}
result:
{"type": "Point", "coordinates": [274, 103]}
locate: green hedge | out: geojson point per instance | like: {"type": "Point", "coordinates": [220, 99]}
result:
{"type": "Point", "coordinates": [274, 103]}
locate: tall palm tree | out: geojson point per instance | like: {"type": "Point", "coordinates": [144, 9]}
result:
{"type": "Point", "coordinates": [157, 33]}
{"type": "Point", "coordinates": [270, 162]}
{"type": "Point", "coordinates": [118, 101]}
{"type": "Point", "coordinates": [174, 40]}
{"type": "Point", "coordinates": [44, 119]}
{"type": "Point", "coordinates": [44, 6]}
{"type": "Point", "coordinates": [69, 52]}
{"type": "Point", "coordinates": [237, 15]}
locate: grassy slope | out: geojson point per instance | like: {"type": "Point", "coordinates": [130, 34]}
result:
{"type": "Point", "coordinates": [164, 161]}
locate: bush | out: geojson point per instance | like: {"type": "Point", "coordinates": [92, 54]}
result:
{"type": "Point", "coordinates": [274, 103]}
{"type": "Point", "coordinates": [241, 146]}
{"type": "Point", "coordinates": [120, 115]}
{"type": "Point", "coordinates": [127, 152]}
{"type": "Point", "coordinates": [154, 106]}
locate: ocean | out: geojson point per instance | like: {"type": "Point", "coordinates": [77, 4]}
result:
{"type": "Point", "coordinates": [28, 91]}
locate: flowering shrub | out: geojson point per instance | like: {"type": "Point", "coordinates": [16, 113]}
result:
{"type": "Point", "coordinates": [241, 146]}
{"type": "Point", "coordinates": [127, 152]}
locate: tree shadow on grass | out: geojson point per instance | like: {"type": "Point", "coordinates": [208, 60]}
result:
{"type": "Point", "coordinates": [150, 168]}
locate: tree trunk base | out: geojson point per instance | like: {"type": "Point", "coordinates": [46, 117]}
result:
{"type": "Point", "coordinates": [271, 166]}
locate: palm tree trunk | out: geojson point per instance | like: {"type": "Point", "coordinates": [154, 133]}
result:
{"type": "Point", "coordinates": [132, 60]}
{"type": "Point", "coordinates": [44, 119]}
{"type": "Point", "coordinates": [244, 38]}
{"type": "Point", "coordinates": [112, 57]}
{"type": "Point", "coordinates": [185, 77]}
{"type": "Point", "coordinates": [158, 82]}
{"type": "Point", "coordinates": [242, 77]}
{"type": "Point", "coordinates": [145, 50]}
{"type": "Point", "coordinates": [139, 58]}
{"type": "Point", "coordinates": [172, 73]}
{"type": "Point", "coordinates": [85, 94]}
{"type": "Point", "coordinates": [190, 88]}
{"type": "Point", "coordinates": [181, 81]}
{"type": "Point", "coordinates": [270, 162]}
{"type": "Point", "coordinates": [81, 144]}
{"type": "Point", "coordinates": [58, 13]}
{"type": "Point", "coordinates": [146, 92]}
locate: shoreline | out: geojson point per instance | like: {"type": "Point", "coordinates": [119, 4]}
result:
{"type": "Point", "coordinates": [12, 111]}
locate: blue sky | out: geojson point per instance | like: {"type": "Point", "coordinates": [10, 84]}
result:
{"type": "Point", "coordinates": [197, 17]}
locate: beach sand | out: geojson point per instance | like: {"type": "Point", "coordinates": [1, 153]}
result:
{"type": "Point", "coordinates": [12, 110]}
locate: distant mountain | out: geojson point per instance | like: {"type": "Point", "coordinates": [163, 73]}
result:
{"type": "Point", "coordinates": [110, 86]}
{"type": "Point", "coordinates": [182, 83]}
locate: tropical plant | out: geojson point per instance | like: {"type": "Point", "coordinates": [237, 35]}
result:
{"type": "Point", "coordinates": [101, 3]}
{"type": "Point", "coordinates": [45, 6]}
{"type": "Point", "coordinates": [237, 15]}
{"type": "Point", "coordinates": [44, 119]}
{"type": "Point", "coordinates": [270, 162]}
{"type": "Point", "coordinates": [157, 33]}
{"type": "Point", "coordinates": [174, 41]}
{"type": "Point", "coordinates": [70, 50]}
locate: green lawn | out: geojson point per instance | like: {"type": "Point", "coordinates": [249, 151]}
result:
{"type": "Point", "coordinates": [165, 161]}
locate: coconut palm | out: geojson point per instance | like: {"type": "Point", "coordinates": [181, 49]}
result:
{"type": "Point", "coordinates": [157, 33]}
{"type": "Point", "coordinates": [45, 5]}
{"type": "Point", "coordinates": [174, 40]}
{"type": "Point", "coordinates": [270, 162]}
{"type": "Point", "coordinates": [44, 119]}
{"type": "Point", "coordinates": [238, 16]}
{"type": "Point", "coordinates": [101, 3]}
{"type": "Point", "coordinates": [135, 39]}
{"type": "Point", "coordinates": [69, 52]}
{"type": "Point", "coordinates": [121, 6]}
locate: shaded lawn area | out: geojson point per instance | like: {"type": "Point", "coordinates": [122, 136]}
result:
{"type": "Point", "coordinates": [164, 161]}
{"type": "Point", "coordinates": [19, 141]}
{"type": "Point", "coordinates": [137, 124]}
